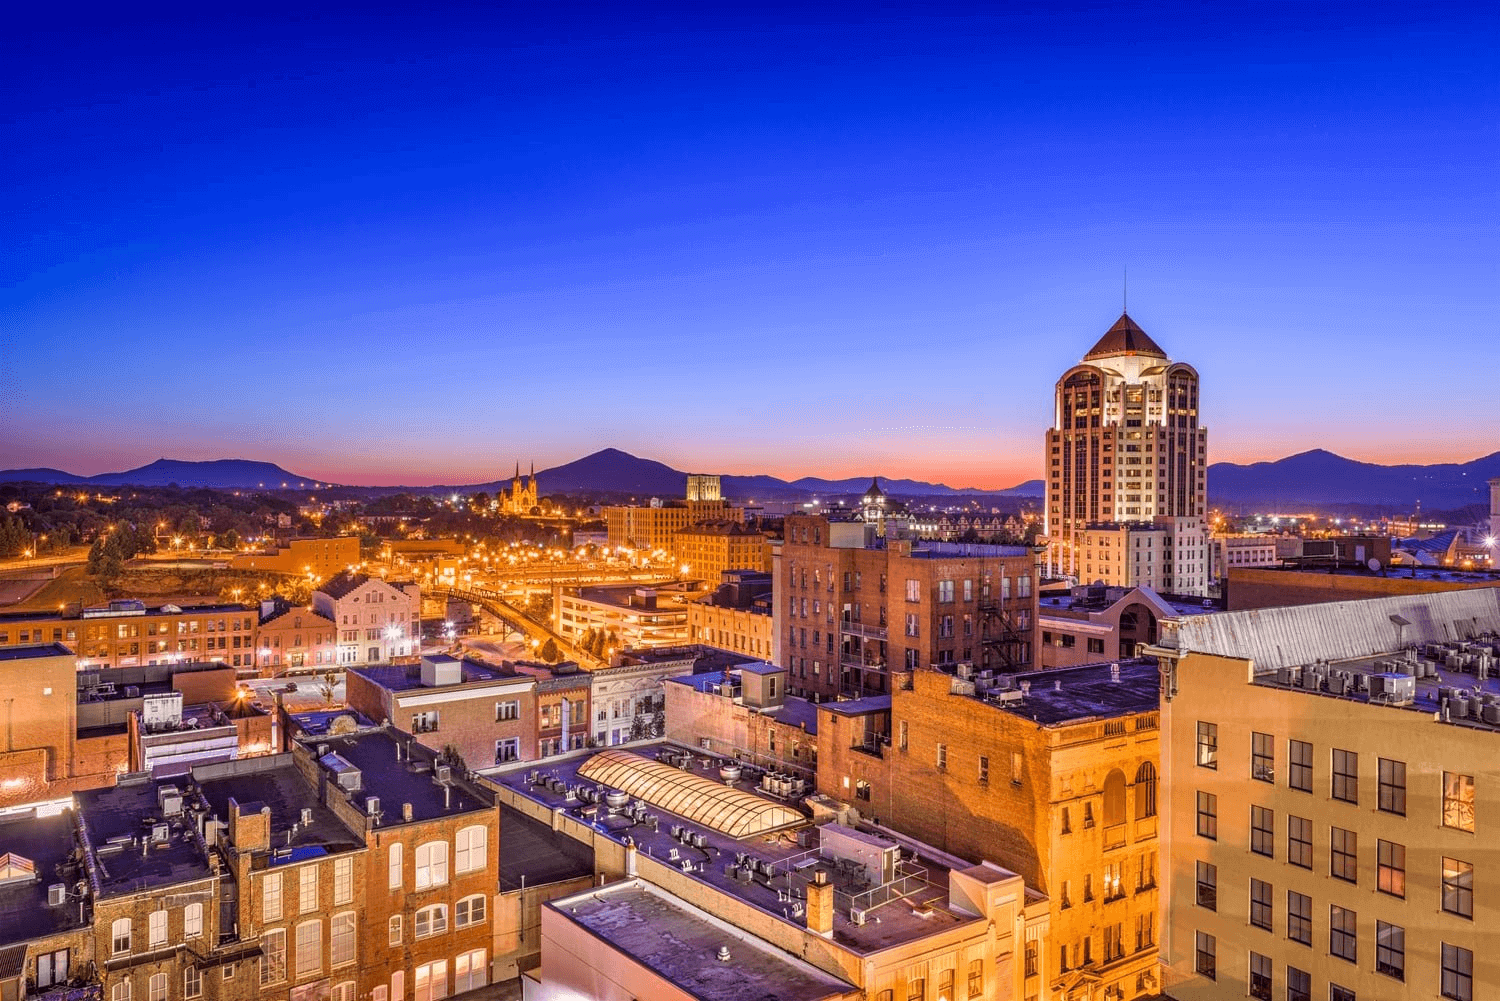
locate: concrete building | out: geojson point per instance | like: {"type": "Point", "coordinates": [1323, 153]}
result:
{"type": "Point", "coordinates": [737, 615]}
{"type": "Point", "coordinates": [1095, 623]}
{"type": "Point", "coordinates": [488, 715]}
{"type": "Point", "coordinates": [1241, 549]}
{"type": "Point", "coordinates": [321, 558]}
{"type": "Point", "coordinates": [1329, 773]}
{"type": "Point", "coordinates": [1167, 554]}
{"type": "Point", "coordinates": [1052, 775]}
{"type": "Point", "coordinates": [709, 549]}
{"type": "Point", "coordinates": [851, 608]}
{"type": "Point", "coordinates": [130, 633]}
{"type": "Point", "coordinates": [292, 639]}
{"type": "Point", "coordinates": [630, 615]}
{"type": "Point", "coordinates": [1125, 446]}
{"type": "Point", "coordinates": [628, 697]}
{"type": "Point", "coordinates": [707, 859]}
{"type": "Point", "coordinates": [377, 622]}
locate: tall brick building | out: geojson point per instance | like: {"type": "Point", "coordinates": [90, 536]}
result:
{"type": "Point", "coordinates": [852, 608]}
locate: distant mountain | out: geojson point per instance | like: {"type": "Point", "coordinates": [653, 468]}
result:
{"type": "Point", "coordinates": [224, 474]}
{"type": "Point", "coordinates": [1321, 477]}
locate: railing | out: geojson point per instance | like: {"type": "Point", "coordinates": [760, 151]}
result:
{"type": "Point", "coordinates": [864, 629]}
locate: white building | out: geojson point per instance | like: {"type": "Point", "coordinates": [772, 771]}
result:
{"type": "Point", "coordinates": [1241, 550]}
{"type": "Point", "coordinates": [376, 621]}
{"type": "Point", "coordinates": [629, 698]}
{"type": "Point", "coordinates": [1167, 554]}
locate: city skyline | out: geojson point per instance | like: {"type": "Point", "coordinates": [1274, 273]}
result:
{"type": "Point", "coordinates": [358, 247]}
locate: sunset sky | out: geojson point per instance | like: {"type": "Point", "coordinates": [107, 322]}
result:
{"type": "Point", "coordinates": [413, 249]}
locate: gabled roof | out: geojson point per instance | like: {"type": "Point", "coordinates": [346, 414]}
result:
{"type": "Point", "coordinates": [1125, 338]}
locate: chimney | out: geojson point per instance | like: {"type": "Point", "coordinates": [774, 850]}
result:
{"type": "Point", "coordinates": [406, 812]}
{"type": "Point", "coordinates": [820, 905]}
{"type": "Point", "coordinates": [249, 832]}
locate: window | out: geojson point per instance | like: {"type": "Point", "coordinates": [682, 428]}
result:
{"type": "Point", "coordinates": [469, 971]}
{"type": "Point", "coordinates": [379, 993]}
{"type": "Point", "coordinates": [1145, 930]}
{"type": "Point", "coordinates": [1298, 984]}
{"type": "Point", "coordinates": [1263, 831]}
{"type": "Point", "coordinates": [156, 929]}
{"type": "Point", "coordinates": [1343, 856]}
{"type": "Point", "coordinates": [192, 982]}
{"type": "Point", "coordinates": [393, 866]}
{"type": "Point", "coordinates": [1208, 886]}
{"type": "Point", "coordinates": [913, 589]}
{"type": "Point", "coordinates": [431, 981]}
{"type": "Point", "coordinates": [469, 911]}
{"type": "Point", "coordinates": [1392, 786]}
{"type": "Point", "coordinates": [270, 898]}
{"type": "Point", "coordinates": [423, 722]}
{"type": "Point", "coordinates": [307, 889]}
{"type": "Point", "coordinates": [1343, 940]}
{"type": "Point", "coordinates": [1015, 768]}
{"type": "Point", "coordinates": [1391, 873]}
{"type": "Point", "coordinates": [1458, 973]}
{"type": "Point", "coordinates": [1260, 904]}
{"type": "Point", "coordinates": [901, 735]}
{"type": "Point", "coordinates": [432, 864]}
{"type": "Point", "coordinates": [913, 624]}
{"type": "Point", "coordinates": [1208, 815]}
{"type": "Point", "coordinates": [309, 948]}
{"type": "Point", "coordinates": [1339, 993]}
{"type": "Point", "coordinates": [509, 710]}
{"type": "Point", "coordinates": [976, 966]}
{"type": "Point", "coordinates": [431, 920]}
{"type": "Point", "coordinates": [398, 985]}
{"type": "Point", "coordinates": [1390, 950]}
{"type": "Point", "coordinates": [1345, 776]}
{"type": "Point", "coordinates": [1208, 745]}
{"type": "Point", "coordinates": [942, 756]}
{"type": "Point", "coordinates": [470, 853]}
{"type": "Point", "coordinates": [120, 991]}
{"type": "Point", "coordinates": [272, 956]}
{"type": "Point", "coordinates": [343, 880]}
{"type": "Point", "coordinates": [1145, 791]}
{"type": "Point", "coordinates": [508, 749]}
{"type": "Point", "coordinates": [1263, 757]}
{"type": "Point", "coordinates": [916, 989]}
{"type": "Point", "coordinates": [1458, 801]}
{"type": "Point", "coordinates": [945, 590]}
{"type": "Point", "coordinates": [1458, 887]}
{"type": "Point", "coordinates": [393, 930]}
{"type": "Point", "coordinates": [119, 934]}
{"type": "Point", "coordinates": [1299, 917]}
{"type": "Point", "coordinates": [229, 971]}
{"type": "Point", "coordinates": [1206, 957]}
{"type": "Point", "coordinates": [1299, 758]}
{"type": "Point", "coordinates": [1299, 842]}
{"type": "Point", "coordinates": [156, 987]}
{"type": "Point", "coordinates": [342, 991]}
{"type": "Point", "coordinates": [51, 968]}
{"type": "Point", "coordinates": [341, 939]}
{"type": "Point", "coordinates": [945, 984]}
{"type": "Point", "coordinates": [192, 921]}
{"type": "Point", "coordinates": [1260, 976]}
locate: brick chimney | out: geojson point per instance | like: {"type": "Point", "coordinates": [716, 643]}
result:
{"type": "Point", "coordinates": [820, 905]}
{"type": "Point", "coordinates": [249, 826]}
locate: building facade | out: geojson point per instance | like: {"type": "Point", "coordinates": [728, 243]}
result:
{"type": "Point", "coordinates": [1126, 444]}
{"type": "Point", "coordinates": [710, 549]}
{"type": "Point", "coordinates": [292, 639]}
{"type": "Point", "coordinates": [130, 633]}
{"type": "Point", "coordinates": [377, 622]}
{"type": "Point", "coordinates": [1169, 555]}
{"type": "Point", "coordinates": [321, 558]}
{"type": "Point", "coordinates": [736, 616]}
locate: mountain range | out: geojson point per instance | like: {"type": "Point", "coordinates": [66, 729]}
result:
{"type": "Point", "coordinates": [1316, 477]}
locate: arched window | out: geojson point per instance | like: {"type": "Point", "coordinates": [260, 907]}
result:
{"type": "Point", "coordinates": [120, 936]}
{"type": "Point", "coordinates": [192, 921]}
{"type": "Point", "coordinates": [432, 920]}
{"type": "Point", "coordinates": [1114, 798]}
{"type": "Point", "coordinates": [1145, 791]}
{"type": "Point", "coordinates": [432, 864]}
{"type": "Point", "coordinates": [469, 911]}
{"type": "Point", "coordinates": [470, 846]}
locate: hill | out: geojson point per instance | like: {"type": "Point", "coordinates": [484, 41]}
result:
{"type": "Point", "coordinates": [223, 474]}
{"type": "Point", "coordinates": [1321, 477]}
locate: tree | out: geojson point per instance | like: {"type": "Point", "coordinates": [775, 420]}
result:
{"type": "Point", "coordinates": [549, 651]}
{"type": "Point", "coordinates": [14, 538]}
{"type": "Point", "coordinates": [229, 539]}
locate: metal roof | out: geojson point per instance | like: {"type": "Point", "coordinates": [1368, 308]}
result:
{"type": "Point", "coordinates": [731, 811]}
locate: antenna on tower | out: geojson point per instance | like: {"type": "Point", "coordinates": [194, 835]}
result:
{"type": "Point", "coordinates": [1125, 289]}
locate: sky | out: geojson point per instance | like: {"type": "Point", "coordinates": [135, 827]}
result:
{"type": "Point", "coordinates": [400, 247]}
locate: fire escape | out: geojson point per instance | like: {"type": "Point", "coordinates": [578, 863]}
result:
{"type": "Point", "coordinates": [1006, 646]}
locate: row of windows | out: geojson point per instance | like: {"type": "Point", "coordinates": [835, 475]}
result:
{"type": "Point", "coordinates": [1455, 981]}
{"type": "Point", "coordinates": [916, 987]}
{"type": "Point", "coordinates": [122, 932]}
{"type": "Point", "coordinates": [305, 886]}
{"type": "Point", "coordinates": [433, 919]}
{"type": "Point", "coordinates": [308, 937]}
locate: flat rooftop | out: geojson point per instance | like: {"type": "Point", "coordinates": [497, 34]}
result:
{"type": "Point", "coordinates": [705, 658]}
{"type": "Point", "coordinates": [406, 677]}
{"type": "Point", "coordinates": [531, 854]}
{"type": "Point", "coordinates": [47, 844]}
{"type": "Point", "coordinates": [1072, 694]}
{"type": "Point", "coordinates": [119, 822]}
{"type": "Point", "coordinates": [274, 781]}
{"type": "Point", "coordinates": [681, 944]}
{"type": "Point", "coordinates": [396, 770]}
{"type": "Point", "coordinates": [1444, 575]}
{"type": "Point", "coordinates": [34, 652]}
{"type": "Point", "coordinates": [911, 908]}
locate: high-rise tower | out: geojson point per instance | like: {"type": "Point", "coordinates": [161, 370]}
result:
{"type": "Point", "coordinates": [1126, 449]}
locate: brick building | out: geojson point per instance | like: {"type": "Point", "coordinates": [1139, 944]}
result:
{"type": "Point", "coordinates": [1051, 774]}
{"type": "Point", "coordinates": [852, 608]}
{"type": "Point", "coordinates": [1269, 587]}
{"type": "Point", "coordinates": [562, 705]}
{"type": "Point", "coordinates": [377, 622]}
{"type": "Point", "coordinates": [711, 548]}
{"type": "Point", "coordinates": [293, 639]}
{"type": "Point", "coordinates": [130, 633]}
{"type": "Point", "coordinates": [45, 937]}
{"type": "Point", "coordinates": [322, 558]}
{"type": "Point", "coordinates": [628, 697]}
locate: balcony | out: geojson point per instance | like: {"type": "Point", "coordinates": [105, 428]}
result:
{"type": "Point", "coordinates": [1114, 836]}
{"type": "Point", "coordinates": [873, 744]}
{"type": "Point", "coordinates": [870, 632]}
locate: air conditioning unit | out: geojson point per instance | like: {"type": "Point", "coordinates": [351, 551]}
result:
{"type": "Point", "coordinates": [57, 894]}
{"type": "Point", "coordinates": [372, 805]}
{"type": "Point", "coordinates": [857, 915]}
{"type": "Point", "coordinates": [706, 743]}
{"type": "Point", "coordinates": [443, 773]}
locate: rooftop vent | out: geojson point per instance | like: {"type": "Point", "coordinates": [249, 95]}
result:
{"type": "Point", "coordinates": [723, 953]}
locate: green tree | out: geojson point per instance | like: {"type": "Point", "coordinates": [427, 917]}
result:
{"type": "Point", "coordinates": [549, 651]}
{"type": "Point", "coordinates": [229, 539]}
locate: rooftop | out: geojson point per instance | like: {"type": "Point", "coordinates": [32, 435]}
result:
{"type": "Point", "coordinates": [681, 944]}
{"type": "Point", "coordinates": [34, 652]}
{"type": "Point", "coordinates": [704, 658]}
{"type": "Point", "coordinates": [1072, 694]}
{"type": "Point", "coordinates": [46, 843]}
{"type": "Point", "coordinates": [276, 782]}
{"type": "Point", "coordinates": [396, 770]}
{"type": "Point", "coordinates": [531, 855]}
{"type": "Point", "coordinates": [1097, 599]}
{"type": "Point", "coordinates": [1124, 338]}
{"type": "Point", "coordinates": [136, 845]}
{"type": "Point", "coordinates": [669, 595]}
{"type": "Point", "coordinates": [1446, 575]}
{"type": "Point", "coordinates": [405, 677]}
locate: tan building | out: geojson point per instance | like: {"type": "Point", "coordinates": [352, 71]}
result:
{"type": "Point", "coordinates": [322, 558]}
{"type": "Point", "coordinates": [1125, 446]}
{"type": "Point", "coordinates": [737, 615]}
{"type": "Point", "coordinates": [703, 487]}
{"type": "Point", "coordinates": [521, 501]}
{"type": "Point", "coordinates": [744, 712]}
{"type": "Point", "coordinates": [1328, 773]}
{"type": "Point", "coordinates": [130, 633]}
{"type": "Point", "coordinates": [710, 549]}
{"type": "Point", "coordinates": [1094, 623]}
{"type": "Point", "coordinates": [1270, 587]}
{"type": "Point", "coordinates": [652, 527]}
{"type": "Point", "coordinates": [851, 608]}
{"type": "Point", "coordinates": [292, 639]}
{"type": "Point", "coordinates": [377, 622]}
{"type": "Point", "coordinates": [1246, 549]}
{"type": "Point", "coordinates": [629, 615]}
{"type": "Point", "coordinates": [1168, 555]}
{"type": "Point", "coordinates": [1053, 775]}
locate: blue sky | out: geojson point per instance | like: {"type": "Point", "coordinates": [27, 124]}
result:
{"type": "Point", "coordinates": [398, 248]}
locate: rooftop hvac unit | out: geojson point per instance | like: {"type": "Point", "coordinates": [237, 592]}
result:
{"type": "Point", "coordinates": [1491, 714]}
{"type": "Point", "coordinates": [857, 915]}
{"type": "Point", "coordinates": [160, 833]}
{"type": "Point", "coordinates": [170, 798]}
{"type": "Point", "coordinates": [372, 805]}
{"type": "Point", "coordinates": [57, 894]}
{"type": "Point", "coordinates": [1459, 708]}
{"type": "Point", "coordinates": [443, 773]}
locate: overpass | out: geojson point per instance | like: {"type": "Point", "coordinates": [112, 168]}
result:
{"type": "Point", "coordinates": [499, 606]}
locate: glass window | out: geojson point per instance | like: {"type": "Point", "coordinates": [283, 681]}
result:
{"type": "Point", "coordinates": [1458, 887]}
{"type": "Point", "coordinates": [1458, 801]}
{"type": "Point", "coordinates": [156, 987]}
{"type": "Point", "coordinates": [1343, 857]}
{"type": "Point", "coordinates": [120, 936]}
{"type": "Point", "coordinates": [341, 939]}
{"type": "Point", "coordinates": [1263, 831]}
{"type": "Point", "coordinates": [1393, 786]}
{"type": "Point", "coordinates": [1208, 815]}
{"type": "Point", "coordinates": [1298, 984]}
{"type": "Point", "coordinates": [1208, 745]}
{"type": "Point", "coordinates": [1262, 757]}
{"type": "Point", "coordinates": [307, 889]}
{"type": "Point", "coordinates": [432, 864]}
{"type": "Point", "coordinates": [976, 966]}
{"type": "Point", "coordinates": [471, 844]}
{"type": "Point", "coordinates": [1339, 993]}
{"type": "Point", "coordinates": [469, 911]}
{"type": "Point", "coordinates": [1299, 842]}
{"type": "Point", "coordinates": [431, 920]}
{"type": "Point", "coordinates": [1343, 939]}
{"type": "Point", "coordinates": [1145, 791]}
{"type": "Point", "coordinates": [192, 921]}
{"type": "Point", "coordinates": [1390, 950]}
{"type": "Point", "coordinates": [1260, 976]}
{"type": "Point", "coordinates": [1299, 917]}
{"type": "Point", "coordinates": [1345, 776]}
{"type": "Point", "coordinates": [1208, 886]}
{"type": "Point", "coordinates": [309, 948]}
{"type": "Point", "coordinates": [1299, 758]}
{"type": "Point", "coordinates": [272, 956]}
{"type": "Point", "coordinates": [192, 982]}
{"type": "Point", "coordinates": [393, 930]}
{"type": "Point", "coordinates": [271, 897]}
{"type": "Point", "coordinates": [1260, 904]}
{"type": "Point", "coordinates": [1391, 872]}
{"type": "Point", "coordinates": [1206, 956]}
{"type": "Point", "coordinates": [393, 866]}
{"type": "Point", "coordinates": [343, 880]}
{"type": "Point", "coordinates": [157, 929]}
{"type": "Point", "coordinates": [1458, 973]}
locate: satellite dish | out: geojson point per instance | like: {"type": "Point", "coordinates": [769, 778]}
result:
{"type": "Point", "coordinates": [1373, 563]}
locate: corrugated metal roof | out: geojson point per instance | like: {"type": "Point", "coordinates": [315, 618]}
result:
{"type": "Point", "coordinates": [1340, 630]}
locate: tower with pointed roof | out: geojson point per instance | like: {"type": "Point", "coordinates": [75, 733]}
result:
{"type": "Point", "coordinates": [522, 498]}
{"type": "Point", "coordinates": [1127, 449]}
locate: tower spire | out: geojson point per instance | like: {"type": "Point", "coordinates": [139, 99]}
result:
{"type": "Point", "coordinates": [1125, 289]}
